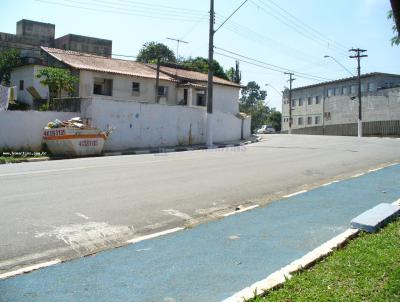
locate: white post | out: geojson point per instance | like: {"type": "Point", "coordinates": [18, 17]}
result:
{"type": "Point", "coordinates": [359, 128]}
{"type": "Point", "coordinates": [190, 97]}
{"type": "Point", "coordinates": [209, 135]}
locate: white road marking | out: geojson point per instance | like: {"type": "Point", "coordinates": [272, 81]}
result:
{"type": "Point", "coordinates": [329, 183]}
{"type": "Point", "coordinates": [87, 236]}
{"type": "Point", "coordinates": [82, 215]}
{"type": "Point", "coordinates": [294, 194]}
{"type": "Point", "coordinates": [176, 213]}
{"type": "Point", "coordinates": [29, 269]}
{"type": "Point", "coordinates": [166, 232]}
{"type": "Point", "coordinates": [240, 211]}
{"type": "Point", "coordinates": [358, 175]}
{"type": "Point", "coordinates": [43, 171]}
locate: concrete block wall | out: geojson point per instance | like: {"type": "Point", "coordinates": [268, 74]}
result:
{"type": "Point", "coordinates": [142, 125]}
{"type": "Point", "coordinates": [22, 130]}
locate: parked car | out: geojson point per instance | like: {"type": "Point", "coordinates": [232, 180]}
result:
{"type": "Point", "coordinates": [266, 130]}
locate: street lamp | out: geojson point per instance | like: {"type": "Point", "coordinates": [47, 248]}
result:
{"type": "Point", "coordinates": [340, 64]}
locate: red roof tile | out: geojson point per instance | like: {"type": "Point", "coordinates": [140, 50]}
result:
{"type": "Point", "coordinates": [90, 62]}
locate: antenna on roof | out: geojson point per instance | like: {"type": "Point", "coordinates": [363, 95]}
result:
{"type": "Point", "coordinates": [178, 41]}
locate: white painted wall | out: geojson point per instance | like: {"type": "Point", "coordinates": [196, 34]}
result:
{"type": "Point", "coordinates": [22, 130]}
{"type": "Point", "coordinates": [28, 73]}
{"type": "Point", "coordinates": [226, 98]}
{"type": "Point", "coordinates": [141, 125]}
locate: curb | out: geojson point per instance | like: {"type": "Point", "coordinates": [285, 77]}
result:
{"type": "Point", "coordinates": [279, 277]}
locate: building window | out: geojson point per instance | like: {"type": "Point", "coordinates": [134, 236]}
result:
{"type": "Point", "coordinates": [353, 89]}
{"type": "Point", "coordinates": [301, 102]}
{"type": "Point", "coordinates": [102, 86]}
{"type": "Point", "coordinates": [163, 91]}
{"type": "Point", "coordinates": [201, 99]}
{"type": "Point", "coordinates": [293, 103]}
{"type": "Point", "coordinates": [337, 91]}
{"type": "Point", "coordinates": [309, 101]}
{"type": "Point", "coordinates": [371, 87]}
{"type": "Point", "coordinates": [317, 100]}
{"type": "Point", "coordinates": [330, 92]}
{"type": "Point", "coordinates": [317, 120]}
{"type": "Point", "coordinates": [300, 121]}
{"type": "Point", "coordinates": [309, 120]}
{"type": "Point", "coordinates": [21, 85]}
{"type": "Point", "coordinates": [135, 88]}
{"type": "Point", "coordinates": [345, 90]}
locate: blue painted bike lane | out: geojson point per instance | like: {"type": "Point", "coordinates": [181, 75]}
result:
{"type": "Point", "coordinates": [214, 260]}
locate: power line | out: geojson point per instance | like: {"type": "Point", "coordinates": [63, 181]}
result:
{"type": "Point", "coordinates": [299, 30]}
{"type": "Point", "coordinates": [121, 11]}
{"type": "Point", "coordinates": [272, 65]}
{"type": "Point", "coordinates": [308, 26]}
{"type": "Point", "coordinates": [230, 16]}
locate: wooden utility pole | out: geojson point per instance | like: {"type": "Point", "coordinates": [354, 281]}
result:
{"type": "Point", "coordinates": [291, 79]}
{"type": "Point", "coordinates": [158, 79]}
{"type": "Point", "coordinates": [358, 55]}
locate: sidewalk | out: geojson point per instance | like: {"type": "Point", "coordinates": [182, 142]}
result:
{"type": "Point", "coordinates": [215, 260]}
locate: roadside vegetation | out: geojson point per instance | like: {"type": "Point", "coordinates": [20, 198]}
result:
{"type": "Point", "coordinates": [367, 269]}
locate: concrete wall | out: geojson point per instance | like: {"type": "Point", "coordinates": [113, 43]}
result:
{"type": "Point", "coordinates": [27, 74]}
{"type": "Point", "coordinates": [22, 130]}
{"type": "Point", "coordinates": [141, 125]}
{"type": "Point", "coordinates": [226, 98]}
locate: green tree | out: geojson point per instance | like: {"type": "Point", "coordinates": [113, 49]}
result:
{"type": "Point", "coordinates": [275, 119]}
{"type": "Point", "coordinates": [234, 74]}
{"type": "Point", "coordinates": [252, 102]}
{"type": "Point", "coordinates": [151, 51]}
{"type": "Point", "coordinates": [396, 39]}
{"type": "Point", "coordinates": [200, 64]}
{"type": "Point", "coordinates": [58, 80]}
{"type": "Point", "coordinates": [8, 60]}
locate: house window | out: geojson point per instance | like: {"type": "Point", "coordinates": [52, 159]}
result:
{"type": "Point", "coordinates": [317, 120]}
{"type": "Point", "coordinates": [345, 90]}
{"type": "Point", "coordinates": [309, 120]}
{"type": "Point", "coordinates": [185, 96]}
{"type": "Point", "coordinates": [135, 88]}
{"type": "Point", "coordinates": [200, 99]}
{"type": "Point", "coordinates": [309, 101]}
{"type": "Point", "coordinates": [353, 89]}
{"type": "Point", "coordinates": [300, 121]}
{"type": "Point", "coordinates": [163, 91]}
{"type": "Point", "coordinates": [337, 91]}
{"type": "Point", "coordinates": [317, 100]}
{"type": "Point", "coordinates": [293, 103]}
{"type": "Point", "coordinates": [102, 86]}
{"type": "Point", "coordinates": [300, 102]}
{"type": "Point", "coordinates": [330, 92]}
{"type": "Point", "coordinates": [21, 85]}
{"type": "Point", "coordinates": [371, 87]}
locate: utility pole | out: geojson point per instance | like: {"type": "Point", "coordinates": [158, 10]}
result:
{"type": "Point", "coordinates": [358, 54]}
{"type": "Point", "coordinates": [291, 79]}
{"type": "Point", "coordinates": [158, 79]}
{"type": "Point", "coordinates": [209, 141]}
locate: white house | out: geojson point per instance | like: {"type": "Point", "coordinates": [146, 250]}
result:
{"type": "Point", "coordinates": [128, 80]}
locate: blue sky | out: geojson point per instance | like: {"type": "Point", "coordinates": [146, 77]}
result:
{"type": "Point", "coordinates": [260, 30]}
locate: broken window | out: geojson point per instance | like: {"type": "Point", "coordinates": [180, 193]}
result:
{"type": "Point", "coordinates": [102, 86]}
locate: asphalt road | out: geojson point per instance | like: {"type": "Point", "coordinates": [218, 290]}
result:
{"type": "Point", "coordinates": [70, 208]}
